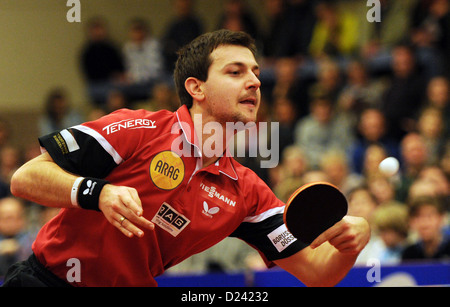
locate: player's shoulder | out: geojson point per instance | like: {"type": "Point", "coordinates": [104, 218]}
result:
{"type": "Point", "coordinates": [259, 198]}
{"type": "Point", "coordinates": [133, 119]}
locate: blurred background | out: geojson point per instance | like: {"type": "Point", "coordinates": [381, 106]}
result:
{"type": "Point", "coordinates": [347, 94]}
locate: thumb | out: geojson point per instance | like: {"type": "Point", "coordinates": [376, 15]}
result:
{"type": "Point", "coordinates": [327, 235]}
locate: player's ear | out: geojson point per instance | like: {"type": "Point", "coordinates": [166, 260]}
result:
{"type": "Point", "coordinates": [193, 87]}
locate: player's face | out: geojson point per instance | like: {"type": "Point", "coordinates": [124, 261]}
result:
{"type": "Point", "coordinates": [232, 89]}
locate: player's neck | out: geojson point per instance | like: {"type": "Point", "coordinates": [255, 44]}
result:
{"type": "Point", "coordinates": [212, 136]}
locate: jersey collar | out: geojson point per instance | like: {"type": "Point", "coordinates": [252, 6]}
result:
{"type": "Point", "coordinates": [223, 165]}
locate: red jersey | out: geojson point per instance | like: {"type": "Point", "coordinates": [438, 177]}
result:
{"type": "Point", "coordinates": [192, 207]}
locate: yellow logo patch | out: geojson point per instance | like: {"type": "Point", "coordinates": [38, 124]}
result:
{"type": "Point", "coordinates": [167, 170]}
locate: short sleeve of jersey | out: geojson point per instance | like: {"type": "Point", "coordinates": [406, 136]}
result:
{"type": "Point", "coordinates": [95, 148]}
{"type": "Point", "coordinates": [265, 230]}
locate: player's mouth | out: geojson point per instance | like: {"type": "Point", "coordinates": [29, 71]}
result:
{"type": "Point", "coordinates": [251, 101]}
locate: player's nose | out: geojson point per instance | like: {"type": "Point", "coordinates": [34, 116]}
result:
{"type": "Point", "coordinates": [253, 82]}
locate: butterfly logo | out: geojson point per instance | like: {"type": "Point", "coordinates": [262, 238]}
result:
{"type": "Point", "coordinates": [209, 211]}
{"type": "Point", "coordinates": [90, 187]}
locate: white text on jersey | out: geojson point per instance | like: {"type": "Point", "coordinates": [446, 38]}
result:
{"type": "Point", "coordinates": [212, 192]}
{"type": "Point", "coordinates": [137, 123]}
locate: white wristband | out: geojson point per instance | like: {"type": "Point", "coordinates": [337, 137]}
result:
{"type": "Point", "coordinates": [74, 193]}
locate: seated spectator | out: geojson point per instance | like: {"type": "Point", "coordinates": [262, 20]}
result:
{"type": "Point", "coordinates": [275, 12]}
{"type": "Point", "coordinates": [285, 113]}
{"type": "Point", "coordinates": [377, 38]}
{"type": "Point", "coordinates": [334, 33]}
{"type": "Point", "coordinates": [436, 177]}
{"type": "Point", "coordinates": [362, 203]}
{"type": "Point", "coordinates": [430, 30]}
{"type": "Point", "coordinates": [144, 63]}
{"type": "Point", "coordinates": [237, 17]}
{"type": "Point", "coordinates": [329, 82]}
{"type": "Point", "coordinates": [293, 166]}
{"type": "Point", "coordinates": [406, 92]}
{"type": "Point", "coordinates": [383, 189]}
{"type": "Point", "coordinates": [359, 91]}
{"type": "Point", "coordinates": [287, 84]}
{"type": "Point", "coordinates": [430, 125]}
{"type": "Point", "coordinates": [390, 223]}
{"type": "Point", "coordinates": [427, 218]}
{"type": "Point", "coordinates": [10, 161]}
{"type": "Point", "coordinates": [438, 96]}
{"type": "Point", "coordinates": [15, 240]}
{"type": "Point", "coordinates": [287, 187]}
{"type": "Point", "coordinates": [335, 164]}
{"type": "Point", "coordinates": [115, 100]}
{"type": "Point", "coordinates": [296, 29]}
{"type": "Point", "coordinates": [431, 181]}
{"type": "Point", "coordinates": [322, 130]}
{"type": "Point", "coordinates": [101, 61]}
{"type": "Point", "coordinates": [373, 156]}
{"type": "Point", "coordinates": [163, 97]}
{"type": "Point", "coordinates": [58, 113]}
{"type": "Point", "coordinates": [372, 129]}
{"type": "Point", "coordinates": [413, 158]}
{"type": "Point", "coordinates": [421, 187]}
{"type": "Point", "coordinates": [184, 27]}
{"type": "Point", "coordinates": [315, 175]}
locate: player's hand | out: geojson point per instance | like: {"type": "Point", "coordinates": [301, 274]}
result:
{"type": "Point", "coordinates": [122, 207]}
{"type": "Point", "coordinates": [348, 236]}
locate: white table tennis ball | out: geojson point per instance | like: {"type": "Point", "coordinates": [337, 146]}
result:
{"type": "Point", "coordinates": [389, 166]}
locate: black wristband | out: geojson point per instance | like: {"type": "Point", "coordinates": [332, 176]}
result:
{"type": "Point", "coordinates": [89, 193]}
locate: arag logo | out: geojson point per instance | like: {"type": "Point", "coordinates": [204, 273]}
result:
{"type": "Point", "coordinates": [167, 170]}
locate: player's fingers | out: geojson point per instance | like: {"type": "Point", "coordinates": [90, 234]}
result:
{"type": "Point", "coordinates": [141, 221]}
{"type": "Point", "coordinates": [131, 200]}
{"type": "Point", "coordinates": [118, 223]}
{"type": "Point", "coordinates": [125, 224]}
{"type": "Point", "coordinates": [128, 225]}
{"type": "Point", "coordinates": [133, 222]}
{"type": "Point", "coordinates": [327, 235]}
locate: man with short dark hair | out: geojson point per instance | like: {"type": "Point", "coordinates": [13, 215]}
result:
{"type": "Point", "coordinates": [136, 172]}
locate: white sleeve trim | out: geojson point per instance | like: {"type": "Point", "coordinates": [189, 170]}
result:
{"type": "Point", "coordinates": [265, 215]}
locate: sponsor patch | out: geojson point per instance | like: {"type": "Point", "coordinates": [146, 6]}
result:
{"type": "Point", "coordinates": [213, 192]}
{"type": "Point", "coordinates": [140, 123]}
{"type": "Point", "coordinates": [209, 212]}
{"type": "Point", "coordinates": [71, 143]}
{"type": "Point", "coordinates": [167, 170]}
{"type": "Point", "coordinates": [281, 238]}
{"type": "Point", "coordinates": [170, 219]}
{"type": "Point", "coordinates": [66, 142]}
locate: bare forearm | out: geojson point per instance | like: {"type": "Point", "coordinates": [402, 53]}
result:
{"type": "Point", "coordinates": [42, 181]}
{"type": "Point", "coordinates": [323, 266]}
{"type": "Point", "coordinates": [331, 266]}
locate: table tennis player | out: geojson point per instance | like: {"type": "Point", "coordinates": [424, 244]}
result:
{"type": "Point", "coordinates": [139, 193]}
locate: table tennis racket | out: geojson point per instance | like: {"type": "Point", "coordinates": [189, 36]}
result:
{"type": "Point", "coordinates": [312, 209]}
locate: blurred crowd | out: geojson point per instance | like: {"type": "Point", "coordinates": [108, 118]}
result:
{"type": "Point", "coordinates": [347, 93]}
